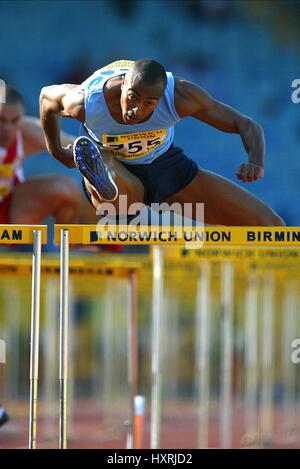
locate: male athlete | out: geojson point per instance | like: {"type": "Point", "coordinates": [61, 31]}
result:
{"type": "Point", "coordinates": [130, 109]}
{"type": "Point", "coordinates": [30, 201]}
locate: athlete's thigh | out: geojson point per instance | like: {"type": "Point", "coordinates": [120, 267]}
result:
{"type": "Point", "coordinates": [38, 197]}
{"type": "Point", "coordinates": [127, 183]}
{"type": "Point", "coordinates": [225, 203]}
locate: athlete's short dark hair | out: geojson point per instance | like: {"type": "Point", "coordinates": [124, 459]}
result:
{"type": "Point", "coordinates": [152, 73]}
{"type": "Point", "coordinates": [12, 96]}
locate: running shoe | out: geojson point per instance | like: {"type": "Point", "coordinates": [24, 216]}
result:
{"type": "Point", "coordinates": [87, 158]}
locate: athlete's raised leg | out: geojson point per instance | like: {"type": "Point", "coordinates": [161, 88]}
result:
{"type": "Point", "coordinates": [226, 203]}
{"type": "Point", "coordinates": [105, 177]}
{"type": "Point", "coordinates": [36, 199]}
{"type": "Point", "coordinates": [127, 183]}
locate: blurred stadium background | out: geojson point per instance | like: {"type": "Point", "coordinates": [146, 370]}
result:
{"type": "Point", "coordinates": [246, 54]}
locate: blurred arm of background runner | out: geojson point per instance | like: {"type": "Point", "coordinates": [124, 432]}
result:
{"type": "Point", "coordinates": [34, 138]}
{"type": "Point", "coordinates": [60, 100]}
{"type": "Point", "coordinates": [192, 100]}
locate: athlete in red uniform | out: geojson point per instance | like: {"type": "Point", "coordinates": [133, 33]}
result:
{"type": "Point", "coordinates": [30, 201]}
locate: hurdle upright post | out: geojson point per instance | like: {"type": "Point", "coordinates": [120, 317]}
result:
{"type": "Point", "coordinates": [266, 418]}
{"type": "Point", "coordinates": [251, 361]}
{"type": "Point", "coordinates": [226, 397]}
{"type": "Point", "coordinates": [202, 352]}
{"type": "Point", "coordinates": [156, 356]}
{"type": "Point", "coordinates": [34, 340]}
{"type": "Point", "coordinates": [133, 351]}
{"type": "Point", "coordinates": [63, 337]}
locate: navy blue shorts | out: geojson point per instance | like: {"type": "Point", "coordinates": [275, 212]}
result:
{"type": "Point", "coordinates": [166, 175]}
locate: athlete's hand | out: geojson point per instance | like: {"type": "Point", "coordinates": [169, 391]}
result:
{"type": "Point", "coordinates": [249, 172]}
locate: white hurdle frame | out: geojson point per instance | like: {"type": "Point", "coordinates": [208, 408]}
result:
{"type": "Point", "coordinates": [251, 436]}
{"type": "Point", "coordinates": [227, 332]}
{"type": "Point", "coordinates": [266, 418]}
{"type": "Point", "coordinates": [157, 303]}
{"type": "Point", "coordinates": [203, 311]}
{"type": "Point", "coordinates": [63, 338]}
{"type": "Point", "coordinates": [34, 340]}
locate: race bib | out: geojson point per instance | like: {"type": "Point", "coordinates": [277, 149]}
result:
{"type": "Point", "coordinates": [6, 179]}
{"type": "Point", "coordinates": [134, 145]}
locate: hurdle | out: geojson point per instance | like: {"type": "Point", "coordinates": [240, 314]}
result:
{"type": "Point", "coordinates": [258, 414]}
{"type": "Point", "coordinates": [250, 236]}
{"type": "Point", "coordinates": [35, 235]}
{"type": "Point", "coordinates": [91, 234]}
{"type": "Point", "coordinates": [261, 294]}
{"type": "Point", "coordinates": [85, 234]}
{"type": "Point", "coordinates": [80, 266]}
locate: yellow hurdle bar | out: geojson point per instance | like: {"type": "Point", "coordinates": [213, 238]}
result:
{"type": "Point", "coordinates": [207, 236]}
{"type": "Point", "coordinates": [21, 234]}
{"type": "Point", "coordinates": [279, 255]}
{"type": "Point", "coordinates": [21, 265]}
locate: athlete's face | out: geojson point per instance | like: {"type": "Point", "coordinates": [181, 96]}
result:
{"type": "Point", "coordinates": [138, 100]}
{"type": "Point", "coordinates": [10, 122]}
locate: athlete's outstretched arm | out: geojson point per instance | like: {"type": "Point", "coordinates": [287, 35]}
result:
{"type": "Point", "coordinates": [55, 101]}
{"type": "Point", "coordinates": [191, 100]}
